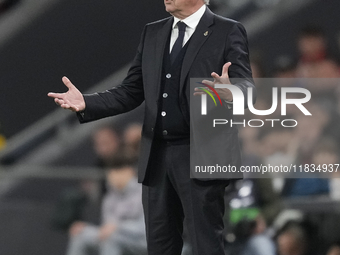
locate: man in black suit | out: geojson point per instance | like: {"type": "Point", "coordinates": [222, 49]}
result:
{"type": "Point", "coordinates": [193, 42]}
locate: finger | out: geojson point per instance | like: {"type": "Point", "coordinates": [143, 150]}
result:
{"type": "Point", "coordinates": [59, 101]}
{"type": "Point", "coordinates": [65, 106]}
{"type": "Point", "coordinates": [207, 82]}
{"type": "Point", "coordinates": [216, 77]}
{"type": "Point", "coordinates": [70, 107]}
{"type": "Point", "coordinates": [55, 95]}
{"type": "Point", "coordinates": [225, 70]}
{"type": "Point", "coordinates": [67, 82]}
{"type": "Point", "coordinates": [200, 89]}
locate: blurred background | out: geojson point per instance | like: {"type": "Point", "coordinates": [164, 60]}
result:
{"type": "Point", "coordinates": [52, 169]}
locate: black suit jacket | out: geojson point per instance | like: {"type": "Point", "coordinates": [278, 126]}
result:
{"type": "Point", "coordinates": [224, 41]}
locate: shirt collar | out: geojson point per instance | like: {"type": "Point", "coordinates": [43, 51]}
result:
{"type": "Point", "coordinates": [193, 19]}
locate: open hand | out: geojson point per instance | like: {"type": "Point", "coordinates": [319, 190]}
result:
{"type": "Point", "coordinates": [72, 99]}
{"type": "Point", "coordinates": [223, 79]}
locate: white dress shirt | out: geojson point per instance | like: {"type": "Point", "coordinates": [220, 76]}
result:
{"type": "Point", "coordinates": [191, 22]}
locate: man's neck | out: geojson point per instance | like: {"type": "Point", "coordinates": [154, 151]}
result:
{"type": "Point", "coordinates": [182, 15]}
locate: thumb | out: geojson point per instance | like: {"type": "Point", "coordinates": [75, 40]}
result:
{"type": "Point", "coordinates": [225, 70]}
{"type": "Point", "coordinates": [67, 82]}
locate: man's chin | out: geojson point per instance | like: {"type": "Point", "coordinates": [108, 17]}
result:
{"type": "Point", "coordinates": [169, 8]}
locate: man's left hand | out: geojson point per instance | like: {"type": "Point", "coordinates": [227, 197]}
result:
{"type": "Point", "coordinates": [225, 94]}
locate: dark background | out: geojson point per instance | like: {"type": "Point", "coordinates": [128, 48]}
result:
{"type": "Point", "coordinates": [85, 40]}
{"type": "Point", "coordinates": [89, 40]}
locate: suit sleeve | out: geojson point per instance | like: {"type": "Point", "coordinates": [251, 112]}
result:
{"type": "Point", "coordinates": [122, 98]}
{"type": "Point", "coordinates": [238, 54]}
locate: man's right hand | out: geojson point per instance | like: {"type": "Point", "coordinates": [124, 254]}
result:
{"type": "Point", "coordinates": [72, 99]}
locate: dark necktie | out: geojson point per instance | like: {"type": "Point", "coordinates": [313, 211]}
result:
{"type": "Point", "coordinates": [179, 42]}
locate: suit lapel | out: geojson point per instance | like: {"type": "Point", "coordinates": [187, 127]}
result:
{"type": "Point", "coordinates": [161, 42]}
{"type": "Point", "coordinates": [201, 34]}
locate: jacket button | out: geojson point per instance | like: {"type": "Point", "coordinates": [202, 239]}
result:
{"type": "Point", "coordinates": [168, 76]}
{"type": "Point", "coordinates": [165, 132]}
{"type": "Point", "coordinates": [151, 129]}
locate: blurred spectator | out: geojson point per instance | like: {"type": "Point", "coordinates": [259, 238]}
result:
{"type": "Point", "coordinates": [315, 61]}
{"type": "Point", "coordinates": [274, 147]}
{"type": "Point", "coordinates": [314, 141]}
{"type": "Point", "coordinates": [122, 230]}
{"type": "Point", "coordinates": [309, 131]}
{"type": "Point", "coordinates": [334, 249]}
{"type": "Point", "coordinates": [257, 243]}
{"type": "Point", "coordinates": [305, 187]}
{"type": "Point", "coordinates": [132, 138]}
{"type": "Point", "coordinates": [254, 198]}
{"type": "Point", "coordinates": [251, 238]}
{"type": "Point", "coordinates": [250, 145]}
{"type": "Point", "coordinates": [292, 240]}
{"type": "Point", "coordinates": [106, 144]}
{"type": "Point", "coordinates": [254, 205]}
{"type": "Point", "coordinates": [325, 152]}
{"type": "Point", "coordinates": [81, 202]}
